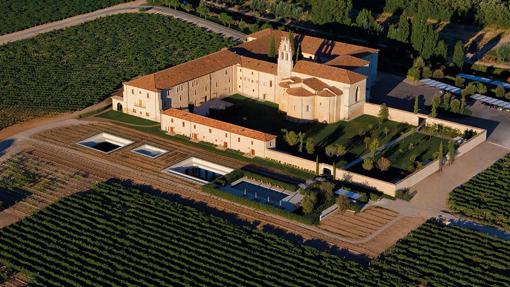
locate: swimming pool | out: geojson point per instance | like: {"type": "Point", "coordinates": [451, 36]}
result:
{"type": "Point", "coordinates": [260, 193]}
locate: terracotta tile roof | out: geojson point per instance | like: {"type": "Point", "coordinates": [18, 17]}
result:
{"type": "Point", "coordinates": [327, 72]}
{"type": "Point", "coordinates": [185, 72]}
{"type": "Point", "coordinates": [299, 92]}
{"type": "Point", "coordinates": [347, 62]}
{"type": "Point", "coordinates": [315, 84]}
{"type": "Point", "coordinates": [327, 93]}
{"type": "Point", "coordinates": [213, 123]}
{"type": "Point", "coordinates": [309, 44]}
{"type": "Point", "coordinates": [259, 65]}
{"type": "Point", "coordinates": [196, 68]}
{"type": "Point", "coordinates": [145, 82]}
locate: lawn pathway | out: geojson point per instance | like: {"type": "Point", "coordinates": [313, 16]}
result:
{"type": "Point", "coordinates": [379, 149]}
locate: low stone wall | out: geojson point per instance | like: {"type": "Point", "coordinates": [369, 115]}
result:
{"type": "Point", "coordinates": [383, 186]}
{"type": "Point", "coordinates": [291, 160]}
{"type": "Point", "coordinates": [413, 119]}
{"type": "Point", "coordinates": [433, 166]}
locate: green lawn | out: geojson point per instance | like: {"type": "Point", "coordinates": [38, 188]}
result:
{"type": "Point", "coordinates": [415, 148]}
{"type": "Point", "coordinates": [128, 119]}
{"type": "Point", "coordinates": [264, 116]}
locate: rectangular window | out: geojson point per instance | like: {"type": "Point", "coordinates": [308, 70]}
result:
{"type": "Point", "coordinates": [307, 108]}
{"type": "Point", "coordinates": [195, 127]}
{"type": "Point", "coordinates": [210, 131]}
{"type": "Point", "coordinates": [147, 95]}
{"type": "Point", "coordinates": [270, 84]}
{"type": "Point", "coordinates": [134, 110]}
{"type": "Point", "coordinates": [146, 114]}
{"type": "Point", "coordinates": [172, 120]}
{"type": "Point", "coordinates": [183, 125]}
{"type": "Point", "coordinates": [226, 135]}
{"type": "Point", "coordinates": [133, 91]}
{"type": "Point", "coordinates": [238, 140]}
{"type": "Point", "coordinates": [251, 142]}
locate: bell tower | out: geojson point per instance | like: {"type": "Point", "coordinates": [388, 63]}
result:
{"type": "Point", "coordinates": [285, 63]}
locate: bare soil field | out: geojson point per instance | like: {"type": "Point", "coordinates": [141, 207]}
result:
{"type": "Point", "coordinates": [358, 225]}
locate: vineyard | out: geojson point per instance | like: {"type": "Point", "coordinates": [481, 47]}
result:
{"type": "Point", "coordinates": [76, 67]}
{"type": "Point", "coordinates": [115, 235]}
{"type": "Point", "coordinates": [486, 196]}
{"type": "Point", "coordinates": [22, 14]}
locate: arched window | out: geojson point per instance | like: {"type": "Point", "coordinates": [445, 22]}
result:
{"type": "Point", "coordinates": [357, 94]}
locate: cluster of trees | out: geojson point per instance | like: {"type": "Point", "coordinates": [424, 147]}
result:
{"type": "Point", "coordinates": [372, 144]}
{"type": "Point", "coordinates": [58, 71]}
{"type": "Point", "coordinates": [485, 196]}
{"type": "Point", "coordinates": [484, 12]}
{"type": "Point", "coordinates": [280, 9]}
{"type": "Point", "coordinates": [22, 14]}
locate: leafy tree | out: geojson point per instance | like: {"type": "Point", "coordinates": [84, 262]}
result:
{"type": "Point", "coordinates": [402, 32]}
{"type": "Point", "coordinates": [459, 82]}
{"type": "Point", "coordinates": [368, 164]}
{"type": "Point", "coordinates": [430, 38]}
{"type": "Point", "coordinates": [331, 11]}
{"type": "Point", "coordinates": [342, 203]}
{"type": "Point", "coordinates": [436, 101]}
{"type": "Point", "coordinates": [383, 164]}
{"type": "Point", "coordinates": [309, 201]}
{"type": "Point", "coordinates": [328, 188]}
{"type": "Point", "coordinates": [419, 28]}
{"type": "Point", "coordinates": [225, 19]}
{"type": "Point", "coordinates": [441, 50]}
{"type": "Point", "coordinates": [172, 3]}
{"type": "Point", "coordinates": [366, 20]}
{"type": "Point", "coordinates": [458, 55]}
{"type": "Point", "coordinates": [451, 152]}
{"type": "Point", "coordinates": [330, 150]}
{"type": "Point", "coordinates": [203, 10]}
{"type": "Point", "coordinates": [187, 7]}
{"type": "Point", "coordinates": [340, 150]}
{"type": "Point", "coordinates": [427, 72]}
{"type": "Point", "coordinates": [446, 101]}
{"type": "Point", "coordinates": [272, 47]}
{"type": "Point", "coordinates": [481, 88]}
{"type": "Point", "coordinates": [500, 92]}
{"type": "Point", "coordinates": [438, 74]}
{"type": "Point", "coordinates": [416, 107]}
{"type": "Point", "coordinates": [470, 89]}
{"type": "Point", "coordinates": [413, 74]}
{"type": "Point", "coordinates": [383, 114]}
{"type": "Point", "coordinates": [455, 106]}
{"type": "Point", "coordinates": [290, 137]}
{"type": "Point", "coordinates": [374, 145]}
{"type": "Point", "coordinates": [310, 146]}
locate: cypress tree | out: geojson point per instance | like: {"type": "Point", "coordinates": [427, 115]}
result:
{"type": "Point", "coordinates": [458, 55]}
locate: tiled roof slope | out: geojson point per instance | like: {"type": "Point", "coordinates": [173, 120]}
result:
{"type": "Point", "coordinates": [309, 44]}
{"type": "Point", "coordinates": [327, 72]}
{"type": "Point", "coordinates": [347, 62]}
{"type": "Point", "coordinates": [213, 123]}
{"type": "Point", "coordinates": [259, 65]}
{"type": "Point", "coordinates": [188, 71]}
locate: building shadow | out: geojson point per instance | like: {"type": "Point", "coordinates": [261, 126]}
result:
{"type": "Point", "coordinates": [4, 145]}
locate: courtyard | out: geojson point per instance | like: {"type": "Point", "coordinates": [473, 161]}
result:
{"type": "Point", "coordinates": [343, 142]}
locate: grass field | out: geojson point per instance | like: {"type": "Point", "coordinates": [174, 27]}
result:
{"type": "Point", "coordinates": [73, 68]}
{"type": "Point", "coordinates": [486, 196]}
{"type": "Point", "coordinates": [23, 14]}
{"type": "Point", "coordinates": [119, 236]}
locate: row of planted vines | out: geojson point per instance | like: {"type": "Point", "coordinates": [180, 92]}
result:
{"type": "Point", "coordinates": [119, 236]}
{"type": "Point", "coordinates": [22, 14]}
{"type": "Point", "coordinates": [73, 68]}
{"type": "Point", "coordinates": [486, 196]}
